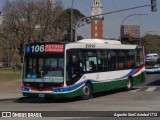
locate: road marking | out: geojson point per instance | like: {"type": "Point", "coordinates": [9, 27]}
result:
{"type": "Point", "coordinates": [134, 90]}
{"type": "Point", "coordinates": [151, 89]}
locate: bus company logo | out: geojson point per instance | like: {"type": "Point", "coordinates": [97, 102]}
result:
{"type": "Point", "coordinates": [21, 114]}
{"type": "Point", "coordinates": [90, 46]}
{"type": "Point", "coordinates": [6, 114]}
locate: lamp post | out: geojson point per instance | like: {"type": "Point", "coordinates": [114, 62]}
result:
{"type": "Point", "coordinates": [82, 22]}
{"type": "Point", "coordinates": [125, 19]}
{"type": "Point", "coordinates": [72, 20]}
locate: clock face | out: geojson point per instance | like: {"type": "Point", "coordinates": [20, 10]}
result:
{"type": "Point", "coordinates": [96, 10]}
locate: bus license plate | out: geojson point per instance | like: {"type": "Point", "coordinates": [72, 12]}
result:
{"type": "Point", "coordinates": [41, 95]}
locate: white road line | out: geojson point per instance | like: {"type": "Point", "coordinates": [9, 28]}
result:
{"type": "Point", "coordinates": [151, 89]}
{"type": "Point", "coordinates": [134, 90]}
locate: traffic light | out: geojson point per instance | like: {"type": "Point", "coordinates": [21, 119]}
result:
{"type": "Point", "coordinates": [153, 5]}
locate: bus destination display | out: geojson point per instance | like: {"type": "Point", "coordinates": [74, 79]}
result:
{"type": "Point", "coordinates": [48, 48]}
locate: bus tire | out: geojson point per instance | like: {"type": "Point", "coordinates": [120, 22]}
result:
{"type": "Point", "coordinates": [86, 91]}
{"type": "Point", "coordinates": [129, 84]}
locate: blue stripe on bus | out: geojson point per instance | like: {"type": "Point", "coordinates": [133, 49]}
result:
{"type": "Point", "coordinates": [76, 86]}
{"type": "Point", "coordinates": [130, 73]}
{"type": "Point", "coordinates": [72, 88]}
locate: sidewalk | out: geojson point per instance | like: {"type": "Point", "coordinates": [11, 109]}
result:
{"type": "Point", "coordinates": [10, 96]}
{"type": "Point", "coordinates": [10, 90]}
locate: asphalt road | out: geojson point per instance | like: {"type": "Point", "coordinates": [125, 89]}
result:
{"type": "Point", "coordinates": [144, 97]}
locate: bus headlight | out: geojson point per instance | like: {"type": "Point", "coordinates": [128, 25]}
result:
{"type": "Point", "coordinates": [25, 89]}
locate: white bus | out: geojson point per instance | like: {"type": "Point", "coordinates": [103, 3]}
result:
{"type": "Point", "coordinates": [62, 70]}
{"type": "Point", "coordinates": [152, 63]}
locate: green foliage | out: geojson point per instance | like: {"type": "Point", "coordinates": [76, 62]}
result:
{"type": "Point", "coordinates": [9, 75]}
{"type": "Point", "coordinates": [130, 40]}
{"type": "Point", "coordinates": [64, 22]}
{"type": "Point", "coordinates": [151, 43]}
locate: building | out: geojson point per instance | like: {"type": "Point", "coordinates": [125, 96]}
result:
{"type": "Point", "coordinates": [130, 30]}
{"type": "Point", "coordinates": [97, 21]}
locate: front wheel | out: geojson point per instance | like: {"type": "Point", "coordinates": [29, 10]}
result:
{"type": "Point", "coordinates": [87, 91]}
{"type": "Point", "coordinates": [129, 85]}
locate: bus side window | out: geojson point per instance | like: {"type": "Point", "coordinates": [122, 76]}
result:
{"type": "Point", "coordinates": [112, 60]}
{"type": "Point", "coordinates": [102, 60]}
{"type": "Point", "coordinates": [121, 59]}
{"type": "Point", "coordinates": [130, 59]}
{"type": "Point", "coordinates": [139, 58]}
{"type": "Point", "coordinates": [91, 61]}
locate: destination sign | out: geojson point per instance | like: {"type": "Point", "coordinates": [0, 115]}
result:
{"type": "Point", "coordinates": [48, 48]}
{"type": "Point", "coordinates": [54, 48]}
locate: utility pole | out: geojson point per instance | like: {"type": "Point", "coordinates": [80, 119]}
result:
{"type": "Point", "coordinates": [72, 20]}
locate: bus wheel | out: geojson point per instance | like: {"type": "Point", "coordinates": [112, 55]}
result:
{"type": "Point", "coordinates": [129, 85]}
{"type": "Point", "coordinates": [87, 91]}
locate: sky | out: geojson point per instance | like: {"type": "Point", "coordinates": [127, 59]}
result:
{"type": "Point", "coordinates": [111, 23]}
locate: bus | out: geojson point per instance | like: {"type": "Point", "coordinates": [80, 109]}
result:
{"type": "Point", "coordinates": [65, 70]}
{"type": "Point", "coordinates": [152, 63]}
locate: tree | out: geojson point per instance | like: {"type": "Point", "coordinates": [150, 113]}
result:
{"type": "Point", "coordinates": [127, 39]}
{"type": "Point", "coordinates": [28, 21]}
{"type": "Point", "coordinates": [151, 43]}
{"type": "Point", "coordinates": [64, 23]}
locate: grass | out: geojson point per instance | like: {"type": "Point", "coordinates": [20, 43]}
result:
{"type": "Point", "coordinates": [6, 75]}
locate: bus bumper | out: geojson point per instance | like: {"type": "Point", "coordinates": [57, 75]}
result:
{"type": "Point", "coordinates": [53, 95]}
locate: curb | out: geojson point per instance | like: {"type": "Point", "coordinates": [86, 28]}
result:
{"type": "Point", "coordinates": [7, 99]}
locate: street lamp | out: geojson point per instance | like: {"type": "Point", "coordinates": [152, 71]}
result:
{"type": "Point", "coordinates": [72, 20]}
{"type": "Point", "coordinates": [82, 22]}
{"type": "Point", "coordinates": [125, 19]}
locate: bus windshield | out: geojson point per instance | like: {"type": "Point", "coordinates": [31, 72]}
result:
{"type": "Point", "coordinates": [44, 68]}
{"type": "Point", "coordinates": [152, 62]}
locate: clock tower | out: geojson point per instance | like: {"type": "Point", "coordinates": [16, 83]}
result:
{"type": "Point", "coordinates": [97, 21]}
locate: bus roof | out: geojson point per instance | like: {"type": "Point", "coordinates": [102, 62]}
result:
{"type": "Point", "coordinates": [152, 54]}
{"type": "Point", "coordinates": [99, 41]}
{"type": "Point", "coordinates": [100, 44]}
{"type": "Point", "coordinates": [92, 44]}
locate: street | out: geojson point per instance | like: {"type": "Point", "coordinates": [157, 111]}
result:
{"type": "Point", "coordinates": [143, 97]}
